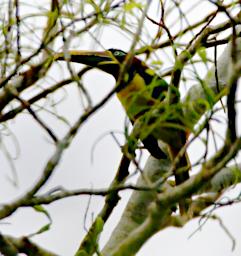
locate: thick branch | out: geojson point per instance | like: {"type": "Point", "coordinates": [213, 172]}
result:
{"type": "Point", "coordinates": [193, 102]}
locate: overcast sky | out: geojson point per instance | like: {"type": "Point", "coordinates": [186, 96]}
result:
{"type": "Point", "coordinates": [76, 169]}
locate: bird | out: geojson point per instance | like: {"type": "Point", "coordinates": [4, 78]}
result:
{"type": "Point", "coordinates": [142, 93]}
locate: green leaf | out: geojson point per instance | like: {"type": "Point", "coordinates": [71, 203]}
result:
{"type": "Point", "coordinates": [157, 62]}
{"type": "Point", "coordinates": [150, 71]}
{"type": "Point", "coordinates": [202, 54]}
{"type": "Point", "coordinates": [128, 7]}
{"type": "Point", "coordinates": [99, 225]}
{"type": "Point", "coordinates": [81, 253]}
{"type": "Point", "coordinates": [41, 209]}
{"type": "Point", "coordinates": [90, 244]}
{"type": "Point", "coordinates": [43, 229]}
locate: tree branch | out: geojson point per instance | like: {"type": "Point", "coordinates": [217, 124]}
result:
{"type": "Point", "coordinates": [127, 232]}
{"type": "Point", "coordinates": [21, 245]}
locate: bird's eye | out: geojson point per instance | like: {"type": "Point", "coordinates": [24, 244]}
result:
{"type": "Point", "coordinates": [118, 53]}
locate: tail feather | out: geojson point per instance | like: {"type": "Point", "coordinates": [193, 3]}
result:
{"type": "Point", "coordinates": [181, 175]}
{"type": "Point", "coordinates": [151, 144]}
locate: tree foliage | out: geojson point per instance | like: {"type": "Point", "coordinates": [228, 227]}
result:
{"type": "Point", "coordinates": [199, 56]}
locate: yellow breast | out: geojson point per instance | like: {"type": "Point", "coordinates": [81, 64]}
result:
{"type": "Point", "coordinates": [136, 85]}
{"type": "Point", "coordinates": [135, 98]}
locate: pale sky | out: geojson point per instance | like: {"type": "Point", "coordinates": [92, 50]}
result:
{"type": "Point", "coordinates": [77, 171]}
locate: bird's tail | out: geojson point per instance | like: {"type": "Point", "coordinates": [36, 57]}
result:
{"type": "Point", "coordinates": [181, 174]}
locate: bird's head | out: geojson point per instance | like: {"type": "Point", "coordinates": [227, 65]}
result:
{"type": "Point", "coordinates": [109, 61]}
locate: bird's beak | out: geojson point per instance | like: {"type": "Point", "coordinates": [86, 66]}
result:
{"type": "Point", "coordinates": [91, 58]}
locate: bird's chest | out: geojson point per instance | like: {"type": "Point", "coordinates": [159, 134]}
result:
{"type": "Point", "coordinates": [135, 97]}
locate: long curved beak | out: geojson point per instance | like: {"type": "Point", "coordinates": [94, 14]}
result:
{"type": "Point", "coordinates": [91, 58]}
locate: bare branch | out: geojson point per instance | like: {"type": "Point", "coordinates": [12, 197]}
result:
{"type": "Point", "coordinates": [24, 245]}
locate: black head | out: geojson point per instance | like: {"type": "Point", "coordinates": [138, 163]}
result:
{"type": "Point", "coordinates": [118, 54]}
{"type": "Point", "coordinates": [108, 61]}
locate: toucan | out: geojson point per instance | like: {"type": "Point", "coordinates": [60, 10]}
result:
{"type": "Point", "coordinates": [142, 94]}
